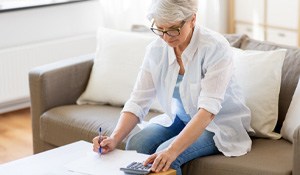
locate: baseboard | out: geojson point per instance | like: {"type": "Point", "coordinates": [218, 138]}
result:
{"type": "Point", "coordinates": [14, 105]}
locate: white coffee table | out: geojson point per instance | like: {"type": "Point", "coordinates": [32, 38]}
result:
{"type": "Point", "coordinates": [52, 162]}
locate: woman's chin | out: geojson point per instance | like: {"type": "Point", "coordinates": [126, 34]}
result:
{"type": "Point", "coordinates": [172, 44]}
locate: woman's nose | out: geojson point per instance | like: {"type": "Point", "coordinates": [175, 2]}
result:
{"type": "Point", "coordinates": [166, 37]}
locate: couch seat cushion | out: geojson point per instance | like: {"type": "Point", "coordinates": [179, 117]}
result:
{"type": "Point", "coordinates": [267, 157]}
{"type": "Point", "coordinates": [66, 124]}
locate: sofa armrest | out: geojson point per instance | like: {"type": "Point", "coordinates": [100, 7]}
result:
{"type": "Point", "coordinates": [296, 147]}
{"type": "Point", "coordinates": [56, 84]}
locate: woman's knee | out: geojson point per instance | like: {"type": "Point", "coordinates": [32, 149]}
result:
{"type": "Point", "coordinates": [135, 143]}
{"type": "Point", "coordinates": [141, 143]}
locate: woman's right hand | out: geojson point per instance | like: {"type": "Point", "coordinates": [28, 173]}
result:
{"type": "Point", "coordinates": [107, 144]}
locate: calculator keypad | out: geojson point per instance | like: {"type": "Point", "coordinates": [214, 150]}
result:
{"type": "Point", "coordinates": [137, 168]}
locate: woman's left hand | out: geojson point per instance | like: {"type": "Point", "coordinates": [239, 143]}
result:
{"type": "Point", "coordinates": [162, 160]}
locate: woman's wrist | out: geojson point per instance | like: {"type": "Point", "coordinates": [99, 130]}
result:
{"type": "Point", "coordinates": [115, 136]}
{"type": "Point", "coordinates": [174, 149]}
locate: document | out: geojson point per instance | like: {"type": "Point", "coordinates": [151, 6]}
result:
{"type": "Point", "coordinates": [110, 163]}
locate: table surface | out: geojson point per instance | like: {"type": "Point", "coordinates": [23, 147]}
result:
{"type": "Point", "coordinates": [51, 162]}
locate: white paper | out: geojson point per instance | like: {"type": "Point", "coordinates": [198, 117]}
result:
{"type": "Point", "coordinates": [95, 164]}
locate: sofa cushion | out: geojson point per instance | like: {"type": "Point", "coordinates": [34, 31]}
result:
{"type": "Point", "coordinates": [259, 75]}
{"type": "Point", "coordinates": [235, 40]}
{"type": "Point", "coordinates": [260, 160]}
{"type": "Point", "coordinates": [67, 124]}
{"type": "Point", "coordinates": [118, 59]}
{"type": "Point", "coordinates": [292, 119]}
{"type": "Point", "coordinates": [290, 73]}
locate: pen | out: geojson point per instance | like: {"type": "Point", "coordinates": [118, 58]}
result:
{"type": "Point", "coordinates": [100, 149]}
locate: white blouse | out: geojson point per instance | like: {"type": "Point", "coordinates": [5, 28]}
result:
{"type": "Point", "coordinates": [209, 82]}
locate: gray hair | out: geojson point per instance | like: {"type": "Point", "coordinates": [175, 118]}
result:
{"type": "Point", "coordinates": [170, 11]}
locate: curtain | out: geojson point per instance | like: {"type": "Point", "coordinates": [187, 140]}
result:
{"type": "Point", "coordinates": [122, 14]}
{"type": "Point", "coordinates": [213, 14]}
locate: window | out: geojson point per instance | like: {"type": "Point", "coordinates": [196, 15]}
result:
{"type": "Point", "coordinates": [7, 5]}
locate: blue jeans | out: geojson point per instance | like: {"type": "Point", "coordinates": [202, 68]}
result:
{"type": "Point", "coordinates": [155, 138]}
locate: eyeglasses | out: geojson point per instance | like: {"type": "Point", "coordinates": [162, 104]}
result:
{"type": "Point", "coordinates": [172, 32]}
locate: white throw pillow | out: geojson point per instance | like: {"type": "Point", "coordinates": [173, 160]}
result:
{"type": "Point", "coordinates": [292, 118]}
{"type": "Point", "coordinates": [118, 59]}
{"type": "Point", "coordinates": [259, 75]}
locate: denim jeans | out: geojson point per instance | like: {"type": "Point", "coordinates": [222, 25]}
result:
{"type": "Point", "coordinates": [155, 138]}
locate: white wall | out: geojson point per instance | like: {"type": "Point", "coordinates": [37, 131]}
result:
{"type": "Point", "coordinates": [48, 23]}
{"type": "Point", "coordinates": [37, 36]}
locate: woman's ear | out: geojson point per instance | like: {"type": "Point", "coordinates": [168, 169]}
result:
{"type": "Point", "coordinates": [193, 21]}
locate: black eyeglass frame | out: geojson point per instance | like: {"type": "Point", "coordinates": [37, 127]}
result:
{"type": "Point", "coordinates": [166, 31]}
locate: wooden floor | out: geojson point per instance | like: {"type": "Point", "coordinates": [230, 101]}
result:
{"type": "Point", "coordinates": [15, 135]}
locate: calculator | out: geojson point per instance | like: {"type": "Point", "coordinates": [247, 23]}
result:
{"type": "Point", "coordinates": [137, 168]}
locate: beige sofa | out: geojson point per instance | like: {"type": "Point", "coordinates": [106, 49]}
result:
{"type": "Point", "coordinates": [57, 120]}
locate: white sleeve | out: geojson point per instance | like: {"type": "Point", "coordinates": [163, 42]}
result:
{"type": "Point", "coordinates": [218, 72]}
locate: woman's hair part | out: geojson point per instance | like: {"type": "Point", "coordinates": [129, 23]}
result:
{"type": "Point", "coordinates": [171, 11]}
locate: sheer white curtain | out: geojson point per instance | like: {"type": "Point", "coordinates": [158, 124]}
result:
{"type": "Point", "coordinates": [213, 14]}
{"type": "Point", "coordinates": [122, 14]}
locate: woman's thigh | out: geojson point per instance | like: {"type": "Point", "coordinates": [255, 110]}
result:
{"type": "Point", "coordinates": [148, 139]}
{"type": "Point", "coordinates": [203, 146]}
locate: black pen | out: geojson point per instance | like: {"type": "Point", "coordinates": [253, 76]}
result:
{"type": "Point", "coordinates": [99, 141]}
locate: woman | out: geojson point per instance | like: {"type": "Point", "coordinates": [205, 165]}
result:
{"type": "Point", "coordinates": [190, 70]}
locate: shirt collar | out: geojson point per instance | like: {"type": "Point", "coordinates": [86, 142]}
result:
{"type": "Point", "coordinates": [189, 51]}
